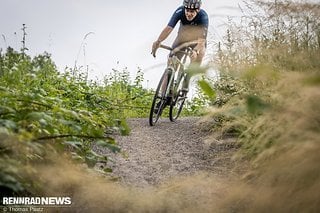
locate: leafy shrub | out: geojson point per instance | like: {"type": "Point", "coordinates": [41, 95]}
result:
{"type": "Point", "coordinates": [41, 109]}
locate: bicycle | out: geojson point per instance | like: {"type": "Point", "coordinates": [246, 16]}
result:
{"type": "Point", "coordinates": [171, 90]}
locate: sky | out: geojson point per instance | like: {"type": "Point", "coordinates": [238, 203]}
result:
{"type": "Point", "coordinates": [102, 34]}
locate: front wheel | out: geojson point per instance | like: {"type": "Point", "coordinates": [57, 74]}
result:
{"type": "Point", "coordinates": [159, 99]}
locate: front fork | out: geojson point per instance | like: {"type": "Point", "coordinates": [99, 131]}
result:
{"type": "Point", "coordinates": [167, 86]}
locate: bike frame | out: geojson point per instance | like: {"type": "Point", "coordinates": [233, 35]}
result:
{"type": "Point", "coordinates": [176, 68]}
{"type": "Point", "coordinates": [169, 84]}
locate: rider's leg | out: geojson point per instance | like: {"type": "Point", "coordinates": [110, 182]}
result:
{"type": "Point", "coordinates": [201, 47]}
{"type": "Point", "coordinates": [195, 62]}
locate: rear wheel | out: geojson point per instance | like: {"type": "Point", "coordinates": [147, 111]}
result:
{"type": "Point", "coordinates": [178, 100]}
{"type": "Point", "coordinates": [159, 99]}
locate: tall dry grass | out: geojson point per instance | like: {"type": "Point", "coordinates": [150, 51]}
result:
{"type": "Point", "coordinates": [275, 53]}
{"type": "Point", "coordinates": [283, 144]}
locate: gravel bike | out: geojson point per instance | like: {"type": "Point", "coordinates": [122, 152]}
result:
{"type": "Point", "coordinates": [172, 87]}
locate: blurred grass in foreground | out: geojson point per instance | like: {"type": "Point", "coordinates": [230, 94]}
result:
{"type": "Point", "coordinates": [273, 56]}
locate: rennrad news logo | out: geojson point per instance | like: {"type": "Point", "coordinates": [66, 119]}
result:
{"type": "Point", "coordinates": [41, 201]}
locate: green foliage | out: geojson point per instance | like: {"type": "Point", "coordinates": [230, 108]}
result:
{"type": "Point", "coordinates": [314, 80]}
{"type": "Point", "coordinates": [196, 106]}
{"type": "Point", "coordinates": [18, 176]}
{"type": "Point", "coordinates": [128, 97]}
{"type": "Point", "coordinates": [207, 89]}
{"type": "Point", "coordinates": [227, 87]}
{"type": "Point", "coordinates": [41, 108]}
{"type": "Point", "coordinates": [255, 105]}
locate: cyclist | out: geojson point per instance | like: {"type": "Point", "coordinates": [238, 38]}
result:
{"type": "Point", "coordinates": [193, 29]}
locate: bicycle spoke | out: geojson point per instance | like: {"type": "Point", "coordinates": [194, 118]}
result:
{"type": "Point", "coordinates": [179, 99]}
{"type": "Point", "coordinates": [159, 100]}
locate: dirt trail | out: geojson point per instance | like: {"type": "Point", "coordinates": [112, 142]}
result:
{"type": "Point", "coordinates": [152, 155]}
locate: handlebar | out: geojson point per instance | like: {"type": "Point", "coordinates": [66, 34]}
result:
{"type": "Point", "coordinates": [177, 49]}
{"type": "Point", "coordinates": [181, 48]}
{"type": "Point", "coordinates": [184, 49]}
{"type": "Point", "coordinates": [166, 47]}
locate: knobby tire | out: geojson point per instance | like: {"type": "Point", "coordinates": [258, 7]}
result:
{"type": "Point", "coordinates": [159, 96]}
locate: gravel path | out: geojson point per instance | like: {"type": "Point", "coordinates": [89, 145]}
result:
{"type": "Point", "coordinates": [152, 155]}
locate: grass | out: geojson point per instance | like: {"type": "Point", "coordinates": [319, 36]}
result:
{"type": "Point", "coordinates": [276, 115]}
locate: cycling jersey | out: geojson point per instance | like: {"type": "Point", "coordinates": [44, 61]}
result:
{"type": "Point", "coordinates": [201, 18]}
{"type": "Point", "coordinates": [189, 30]}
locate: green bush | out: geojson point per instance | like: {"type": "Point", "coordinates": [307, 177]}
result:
{"type": "Point", "coordinates": [41, 109]}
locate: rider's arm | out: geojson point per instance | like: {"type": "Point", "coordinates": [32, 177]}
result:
{"type": "Point", "coordinates": [199, 51]}
{"type": "Point", "coordinates": [172, 23]}
{"type": "Point", "coordinates": [167, 30]}
{"type": "Point", "coordinates": [164, 34]}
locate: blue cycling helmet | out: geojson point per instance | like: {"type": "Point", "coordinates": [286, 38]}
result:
{"type": "Point", "coordinates": [192, 4]}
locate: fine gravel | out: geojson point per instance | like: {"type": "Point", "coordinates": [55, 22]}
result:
{"type": "Point", "coordinates": [152, 155]}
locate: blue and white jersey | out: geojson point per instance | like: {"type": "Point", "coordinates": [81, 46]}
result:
{"type": "Point", "coordinates": [190, 30]}
{"type": "Point", "coordinates": [201, 18]}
